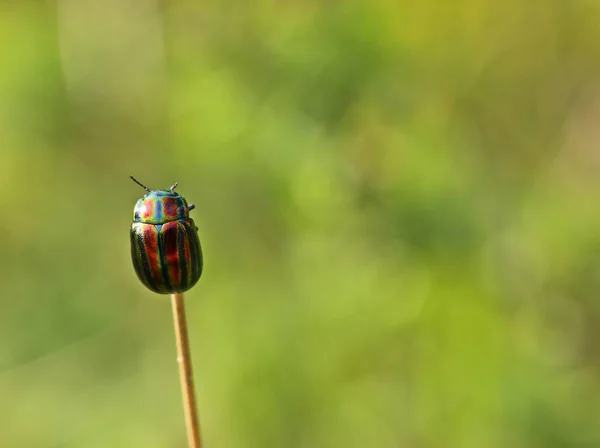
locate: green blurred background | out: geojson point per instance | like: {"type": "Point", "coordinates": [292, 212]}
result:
{"type": "Point", "coordinates": [397, 203]}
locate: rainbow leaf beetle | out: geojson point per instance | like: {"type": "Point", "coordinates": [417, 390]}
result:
{"type": "Point", "coordinates": [165, 247]}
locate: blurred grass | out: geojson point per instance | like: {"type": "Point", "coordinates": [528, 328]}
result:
{"type": "Point", "coordinates": [396, 204]}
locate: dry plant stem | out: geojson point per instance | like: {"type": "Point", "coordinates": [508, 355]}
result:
{"type": "Point", "coordinates": [185, 371]}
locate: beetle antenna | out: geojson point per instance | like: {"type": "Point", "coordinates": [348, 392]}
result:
{"type": "Point", "coordinates": [173, 187]}
{"type": "Point", "coordinates": [140, 184]}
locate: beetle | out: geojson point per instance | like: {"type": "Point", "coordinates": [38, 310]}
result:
{"type": "Point", "coordinates": [165, 246]}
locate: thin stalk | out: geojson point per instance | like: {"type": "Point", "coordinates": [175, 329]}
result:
{"type": "Point", "coordinates": [184, 360]}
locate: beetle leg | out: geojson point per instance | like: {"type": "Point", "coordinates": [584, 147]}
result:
{"type": "Point", "coordinates": [173, 187]}
{"type": "Point", "coordinates": [191, 207]}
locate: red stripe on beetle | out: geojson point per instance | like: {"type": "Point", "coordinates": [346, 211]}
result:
{"type": "Point", "coordinates": [151, 245]}
{"type": "Point", "coordinates": [170, 207]}
{"type": "Point", "coordinates": [188, 253]}
{"type": "Point", "coordinates": [169, 232]}
{"type": "Point", "coordinates": [148, 209]}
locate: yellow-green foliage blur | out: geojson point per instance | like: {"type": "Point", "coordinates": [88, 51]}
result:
{"type": "Point", "coordinates": [398, 204]}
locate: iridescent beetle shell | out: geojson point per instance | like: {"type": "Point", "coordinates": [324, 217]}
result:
{"type": "Point", "coordinates": [165, 247]}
